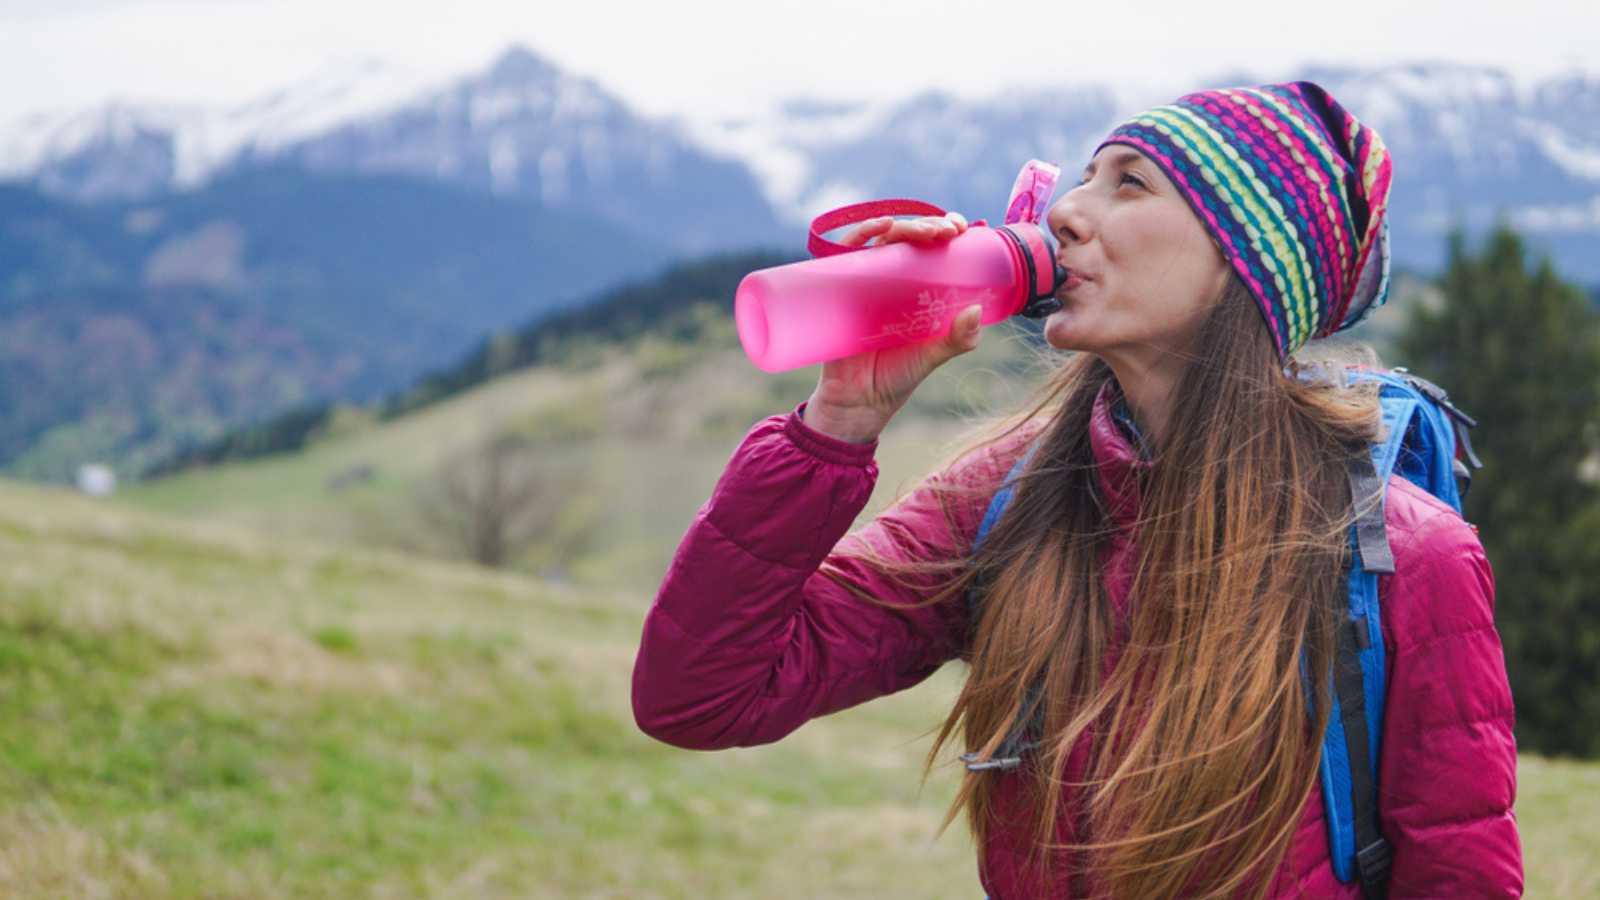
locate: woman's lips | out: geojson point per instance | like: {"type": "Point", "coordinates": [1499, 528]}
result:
{"type": "Point", "coordinates": [1073, 280]}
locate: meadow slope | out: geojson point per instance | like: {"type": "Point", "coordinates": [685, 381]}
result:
{"type": "Point", "coordinates": [202, 710]}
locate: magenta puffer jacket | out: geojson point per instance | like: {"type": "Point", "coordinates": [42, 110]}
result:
{"type": "Point", "coordinates": [746, 642]}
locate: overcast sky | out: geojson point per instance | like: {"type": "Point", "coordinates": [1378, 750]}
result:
{"type": "Point", "coordinates": [721, 55]}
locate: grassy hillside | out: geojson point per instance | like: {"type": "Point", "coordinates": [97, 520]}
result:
{"type": "Point", "coordinates": [638, 432]}
{"type": "Point", "coordinates": [194, 709]}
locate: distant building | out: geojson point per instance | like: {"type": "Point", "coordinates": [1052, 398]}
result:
{"type": "Point", "coordinates": [96, 480]}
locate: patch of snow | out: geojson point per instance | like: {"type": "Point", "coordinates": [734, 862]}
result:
{"type": "Point", "coordinates": [488, 108]}
{"type": "Point", "coordinates": [776, 143]}
{"type": "Point", "coordinates": [1572, 157]}
{"type": "Point", "coordinates": [503, 163]}
{"type": "Point", "coordinates": [34, 140]}
{"type": "Point", "coordinates": [577, 99]}
{"type": "Point", "coordinates": [553, 176]}
{"type": "Point", "coordinates": [333, 96]}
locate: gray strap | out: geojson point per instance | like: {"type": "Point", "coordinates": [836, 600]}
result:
{"type": "Point", "coordinates": [1030, 719]}
{"type": "Point", "coordinates": [1372, 535]}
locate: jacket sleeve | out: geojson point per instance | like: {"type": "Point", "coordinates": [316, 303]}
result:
{"type": "Point", "coordinates": [746, 641]}
{"type": "Point", "coordinates": [1448, 768]}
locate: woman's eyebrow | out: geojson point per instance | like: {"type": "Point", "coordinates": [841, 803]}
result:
{"type": "Point", "coordinates": [1119, 159]}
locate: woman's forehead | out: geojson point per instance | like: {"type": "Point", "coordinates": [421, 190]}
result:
{"type": "Point", "coordinates": [1113, 155]}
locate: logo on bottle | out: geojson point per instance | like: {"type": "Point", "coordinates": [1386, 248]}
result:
{"type": "Point", "coordinates": [934, 310]}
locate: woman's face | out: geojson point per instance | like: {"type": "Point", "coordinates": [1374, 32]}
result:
{"type": "Point", "coordinates": [1150, 271]}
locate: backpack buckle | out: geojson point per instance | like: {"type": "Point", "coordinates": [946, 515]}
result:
{"type": "Point", "coordinates": [1374, 861]}
{"type": "Point", "coordinates": [1437, 395]}
{"type": "Point", "coordinates": [1002, 763]}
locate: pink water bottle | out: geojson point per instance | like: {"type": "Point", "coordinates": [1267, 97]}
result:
{"type": "Point", "coordinates": [844, 303]}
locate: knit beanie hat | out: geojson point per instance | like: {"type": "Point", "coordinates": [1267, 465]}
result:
{"type": "Point", "coordinates": [1292, 187]}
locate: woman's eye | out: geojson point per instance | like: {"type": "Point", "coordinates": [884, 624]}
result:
{"type": "Point", "coordinates": [1126, 177]}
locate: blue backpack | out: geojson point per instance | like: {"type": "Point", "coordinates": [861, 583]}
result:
{"type": "Point", "coordinates": [1422, 436]}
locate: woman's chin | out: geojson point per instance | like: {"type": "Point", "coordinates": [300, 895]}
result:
{"type": "Point", "coordinates": [1061, 331]}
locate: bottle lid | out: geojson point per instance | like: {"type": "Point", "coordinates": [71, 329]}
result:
{"type": "Point", "coordinates": [1032, 191]}
{"type": "Point", "coordinates": [1030, 199]}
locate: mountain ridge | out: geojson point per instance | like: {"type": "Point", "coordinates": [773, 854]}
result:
{"type": "Point", "coordinates": [1470, 142]}
{"type": "Point", "coordinates": [127, 330]}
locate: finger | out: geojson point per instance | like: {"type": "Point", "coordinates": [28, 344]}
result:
{"type": "Point", "coordinates": [902, 230]}
{"type": "Point", "coordinates": [959, 220]}
{"type": "Point", "coordinates": [928, 230]}
{"type": "Point", "coordinates": [945, 227]}
{"type": "Point", "coordinates": [866, 230]}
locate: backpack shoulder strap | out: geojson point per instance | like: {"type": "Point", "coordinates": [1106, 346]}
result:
{"type": "Point", "coordinates": [1009, 754]}
{"type": "Point", "coordinates": [1424, 435]}
{"type": "Point", "coordinates": [1352, 742]}
{"type": "Point", "coordinates": [997, 508]}
{"type": "Point", "coordinates": [1002, 497]}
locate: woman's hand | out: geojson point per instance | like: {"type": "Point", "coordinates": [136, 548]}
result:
{"type": "Point", "coordinates": [856, 396]}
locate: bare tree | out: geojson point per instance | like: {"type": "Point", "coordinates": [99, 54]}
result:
{"type": "Point", "coordinates": [494, 498]}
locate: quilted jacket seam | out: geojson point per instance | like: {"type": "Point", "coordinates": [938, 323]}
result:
{"type": "Point", "coordinates": [723, 533]}
{"type": "Point", "coordinates": [1459, 821]}
{"type": "Point", "coordinates": [766, 692]}
{"type": "Point", "coordinates": [1415, 536]}
{"type": "Point", "coordinates": [922, 661]}
{"type": "Point", "coordinates": [1441, 638]}
{"type": "Point", "coordinates": [1499, 716]}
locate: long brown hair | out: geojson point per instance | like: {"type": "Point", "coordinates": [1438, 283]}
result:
{"type": "Point", "coordinates": [1241, 538]}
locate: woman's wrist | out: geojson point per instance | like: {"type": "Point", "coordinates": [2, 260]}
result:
{"type": "Point", "coordinates": [853, 425]}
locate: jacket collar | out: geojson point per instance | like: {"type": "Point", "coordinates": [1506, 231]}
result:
{"type": "Point", "coordinates": [1117, 446]}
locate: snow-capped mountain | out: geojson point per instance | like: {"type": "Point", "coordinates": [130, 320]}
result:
{"type": "Point", "coordinates": [521, 127]}
{"type": "Point", "coordinates": [1470, 144]}
{"type": "Point", "coordinates": [525, 127]}
{"type": "Point", "coordinates": [120, 151]}
{"type": "Point", "coordinates": [812, 155]}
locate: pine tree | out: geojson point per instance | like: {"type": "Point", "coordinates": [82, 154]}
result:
{"type": "Point", "coordinates": [1520, 351]}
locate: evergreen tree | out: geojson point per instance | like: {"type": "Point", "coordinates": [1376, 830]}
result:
{"type": "Point", "coordinates": [1520, 351]}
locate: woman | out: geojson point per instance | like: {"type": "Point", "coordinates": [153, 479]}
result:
{"type": "Point", "coordinates": [1174, 546]}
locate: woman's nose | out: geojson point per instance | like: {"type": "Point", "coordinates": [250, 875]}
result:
{"type": "Point", "coordinates": [1067, 219]}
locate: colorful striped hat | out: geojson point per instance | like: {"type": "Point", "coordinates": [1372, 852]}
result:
{"type": "Point", "coordinates": [1292, 187]}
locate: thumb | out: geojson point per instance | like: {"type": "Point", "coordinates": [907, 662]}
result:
{"type": "Point", "coordinates": [965, 332]}
{"type": "Point", "coordinates": [969, 327]}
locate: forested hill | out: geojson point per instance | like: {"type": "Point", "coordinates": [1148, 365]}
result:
{"type": "Point", "coordinates": [128, 331]}
{"type": "Point", "coordinates": [663, 306]}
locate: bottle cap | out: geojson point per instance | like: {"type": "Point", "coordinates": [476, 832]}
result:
{"type": "Point", "coordinates": [1032, 191]}
{"type": "Point", "coordinates": [1030, 200]}
{"type": "Point", "coordinates": [1041, 274]}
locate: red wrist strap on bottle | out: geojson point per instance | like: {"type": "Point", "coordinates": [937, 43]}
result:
{"type": "Point", "coordinates": [860, 212]}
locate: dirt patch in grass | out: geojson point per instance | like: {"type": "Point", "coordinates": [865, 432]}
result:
{"type": "Point", "coordinates": [44, 855]}
{"type": "Point", "coordinates": [273, 657]}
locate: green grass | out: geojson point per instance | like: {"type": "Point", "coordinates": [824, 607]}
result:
{"type": "Point", "coordinates": [195, 710]}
